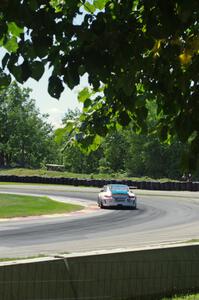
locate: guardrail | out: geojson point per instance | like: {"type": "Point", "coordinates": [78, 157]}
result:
{"type": "Point", "coordinates": [147, 274]}
{"type": "Point", "coordinates": [146, 185]}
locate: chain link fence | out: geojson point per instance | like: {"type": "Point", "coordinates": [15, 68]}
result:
{"type": "Point", "coordinates": [141, 275]}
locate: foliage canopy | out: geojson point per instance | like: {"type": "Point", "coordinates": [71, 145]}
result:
{"type": "Point", "coordinates": [124, 152]}
{"type": "Point", "coordinates": [132, 51]}
{"type": "Point", "coordinates": [26, 137]}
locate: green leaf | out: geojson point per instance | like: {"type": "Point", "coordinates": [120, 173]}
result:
{"type": "Point", "coordinates": [11, 45]}
{"type": "Point", "coordinates": [90, 143]}
{"type": "Point", "coordinates": [100, 4]}
{"type": "Point", "coordinates": [70, 125]}
{"type": "Point", "coordinates": [57, 5]}
{"type": "Point", "coordinates": [118, 126]}
{"type": "Point", "coordinates": [26, 71]}
{"type": "Point", "coordinates": [90, 8]}
{"type": "Point", "coordinates": [59, 135]}
{"type": "Point", "coordinates": [37, 69]}
{"type": "Point", "coordinates": [55, 86]}
{"type": "Point", "coordinates": [87, 103]}
{"type": "Point", "coordinates": [97, 141]}
{"type": "Point", "coordinates": [83, 95]}
{"type": "Point", "coordinates": [71, 77]}
{"type": "Point", "coordinates": [14, 29]}
{"type": "Point", "coordinates": [17, 72]}
{"type": "Point", "coordinates": [21, 72]}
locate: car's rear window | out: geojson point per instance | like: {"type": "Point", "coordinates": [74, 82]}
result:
{"type": "Point", "coordinates": [119, 187]}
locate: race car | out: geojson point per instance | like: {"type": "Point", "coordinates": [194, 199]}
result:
{"type": "Point", "coordinates": [117, 195]}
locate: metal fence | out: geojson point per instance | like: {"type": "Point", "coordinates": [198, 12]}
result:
{"type": "Point", "coordinates": [147, 274]}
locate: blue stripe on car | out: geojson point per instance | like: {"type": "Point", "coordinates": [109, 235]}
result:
{"type": "Point", "coordinates": [123, 192]}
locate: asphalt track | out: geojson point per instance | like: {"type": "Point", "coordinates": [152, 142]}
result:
{"type": "Point", "coordinates": [161, 218]}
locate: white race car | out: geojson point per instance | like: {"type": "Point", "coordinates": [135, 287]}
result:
{"type": "Point", "coordinates": [117, 195]}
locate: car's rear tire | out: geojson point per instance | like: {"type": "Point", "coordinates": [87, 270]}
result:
{"type": "Point", "coordinates": [133, 207]}
{"type": "Point", "coordinates": [101, 204]}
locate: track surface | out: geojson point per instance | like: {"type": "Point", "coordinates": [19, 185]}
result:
{"type": "Point", "coordinates": [161, 217]}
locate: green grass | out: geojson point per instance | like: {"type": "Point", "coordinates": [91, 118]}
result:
{"type": "Point", "coordinates": [187, 297]}
{"type": "Point", "coordinates": [192, 241]}
{"type": "Point", "coordinates": [22, 206]}
{"type": "Point", "coordinates": [22, 258]}
{"type": "Point", "coordinates": [45, 173]}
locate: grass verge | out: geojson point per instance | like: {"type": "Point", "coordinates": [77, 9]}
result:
{"type": "Point", "coordinates": [2, 260]}
{"type": "Point", "coordinates": [22, 206]}
{"type": "Point", "coordinates": [45, 173]}
{"type": "Point", "coordinates": [187, 297]}
{"type": "Point", "coordinates": [192, 241]}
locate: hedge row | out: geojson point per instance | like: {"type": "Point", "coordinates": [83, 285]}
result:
{"type": "Point", "coordinates": [146, 185]}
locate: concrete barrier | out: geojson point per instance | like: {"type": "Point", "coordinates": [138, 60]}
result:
{"type": "Point", "coordinates": [144, 274]}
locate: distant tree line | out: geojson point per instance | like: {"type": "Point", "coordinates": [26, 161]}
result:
{"type": "Point", "coordinates": [126, 152]}
{"type": "Point", "coordinates": [123, 151]}
{"type": "Point", "coordinates": [28, 140]}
